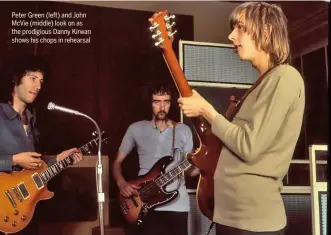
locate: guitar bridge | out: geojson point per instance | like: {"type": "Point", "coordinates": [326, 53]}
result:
{"type": "Point", "coordinates": [11, 199]}
{"type": "Point", "coordinates": [124, 208]}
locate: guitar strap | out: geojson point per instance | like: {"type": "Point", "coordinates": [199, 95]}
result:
{"type": "Point", "coordinates": [173, 138]}
{"type": "Point", "coordinates": [236, 104]}
{"type": "Point", "coordinates": [173, 149]}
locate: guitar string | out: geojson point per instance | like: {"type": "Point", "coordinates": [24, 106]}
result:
{"type": "Point", "coordinates": [157, 183]}
{"type": "Point", "coordinates": [81, 149]}
{"type": "Point", "coordinates": [176, 170]}
{"type": "Point", "coordinates": [27, 182]}
{"type": "Point", "coordinates": [57, 172]}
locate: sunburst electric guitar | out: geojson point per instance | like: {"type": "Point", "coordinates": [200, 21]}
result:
{"type": "Point", "coordinates": [20, 191]}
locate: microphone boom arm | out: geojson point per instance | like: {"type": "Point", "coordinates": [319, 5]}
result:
{"type": "Point", "coordinates": [101, 195]}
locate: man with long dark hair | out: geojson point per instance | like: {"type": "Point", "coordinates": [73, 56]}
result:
{"type": "Point", "coordinates": [19, 137]}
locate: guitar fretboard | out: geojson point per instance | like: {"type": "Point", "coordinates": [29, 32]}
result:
{"type": "Point", "coordinates": [58, 167]}
{"type": "Point", "coordinates": [169, 176]}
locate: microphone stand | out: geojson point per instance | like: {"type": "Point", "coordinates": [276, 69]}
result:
{"type": "Point", "coordinates": [100, 193]}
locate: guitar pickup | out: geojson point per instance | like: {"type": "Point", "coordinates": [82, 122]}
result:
{"type": "Point", "coordinates": [37, 181]}
{"type": "Point", "coordinates": [18, 195]}
{"type": "Point", "coordinates": [23, 190]}
{"type": "Point", "coordinates": [134, 201]}
{"type": "Point", "coordinates": [11, 199]}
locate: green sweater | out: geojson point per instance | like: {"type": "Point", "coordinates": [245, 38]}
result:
{"type": "Point", "coordinates": [262, 138]}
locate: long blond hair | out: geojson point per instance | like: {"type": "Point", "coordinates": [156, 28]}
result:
{"type": "Point", "coordinates": [261, 16]}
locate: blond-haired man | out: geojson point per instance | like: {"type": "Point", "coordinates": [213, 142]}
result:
{"type": "Point", "coordinates": [260, 140]}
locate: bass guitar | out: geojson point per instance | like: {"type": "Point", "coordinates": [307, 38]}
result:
{"type": "Point", "coordinates": [152, 192]}
{"type": "Point", "coordinates": [20, 191]}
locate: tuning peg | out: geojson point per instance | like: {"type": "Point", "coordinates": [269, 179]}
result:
{"type": "Point", "coordinates": [94, 133]}
{"type": "Point", "coordinates": [158, 33]}
{"type": "Point", "coordinates": [171, 25]}
{"type": "Point", "coordinates": [171, 35]}
{"type": "Point", "coordinates": [152, 28]}
{"type": "Point", "coordinates": [167, 18]}
{"type": "Point", "coordinates": [159, 42]}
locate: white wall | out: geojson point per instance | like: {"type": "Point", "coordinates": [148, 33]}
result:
{"type": "Point", "coordinates": [211, 18]}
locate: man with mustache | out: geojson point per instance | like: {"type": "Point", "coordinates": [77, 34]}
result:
{"type": "Point", "coordinates": [18, 135]}
{"type": "Point", "coordinates": [154, 140]}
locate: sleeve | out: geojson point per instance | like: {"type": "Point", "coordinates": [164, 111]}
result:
{"type": "Point", "coordinates": [259, 131]}
{"type": "Point", "coordinates": [128, 141]}
{"type": "Point", "coordinates": [49, 159]}
{"type": "Point", "coordinates": [6, 163]}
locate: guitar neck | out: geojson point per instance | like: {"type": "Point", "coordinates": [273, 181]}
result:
{"type": "Point", "coordinates": [177, 73]}
{"type": "Point", "coordinates": [58, 167]}
{"type": "Point", "coordinates": [181, 82]}
{"type": "Point", "coordinates": [169, 176]}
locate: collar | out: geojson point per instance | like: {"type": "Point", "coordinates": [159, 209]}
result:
{"type": "Point", "coordinates": [11, 113]}
{"type": "Point", "coordinates": [169, 123]}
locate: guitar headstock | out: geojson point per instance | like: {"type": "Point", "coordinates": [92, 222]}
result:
{"type": "Point", "coordinates": [104, 138]}
{"type": "Point", "coordinates": [162, 29]}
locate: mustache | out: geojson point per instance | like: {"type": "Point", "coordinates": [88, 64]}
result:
{"type": "Point", "coordinates": [161, 112]}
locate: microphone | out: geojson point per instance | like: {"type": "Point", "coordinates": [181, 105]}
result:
{"type": "Point", "coordinates": [99, 170]}
{"type": "Point", "coordinates": [52, 106]}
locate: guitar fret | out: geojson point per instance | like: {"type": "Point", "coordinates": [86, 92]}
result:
{"type": "Point", "coordinates": [159, 182]}
{"type": "Point", "coordinates": [85, 148]}
{"type": "Point", "coordinates": [56, 168]}
{"type": "Point", "coordinates": [50, 172]}
{"type": "Point", "coordinates": [45, 177]}
{"type": "Point", "coordinates": [64, 162]}
{"type": "Point", "coordinates": [166, 178]}
{"type": "Point", "coordinates": [90, 143]}
{"type": "Point", "coordinates": [42, 174]}
{"type": "Point", "coordinates": [47, 174]}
